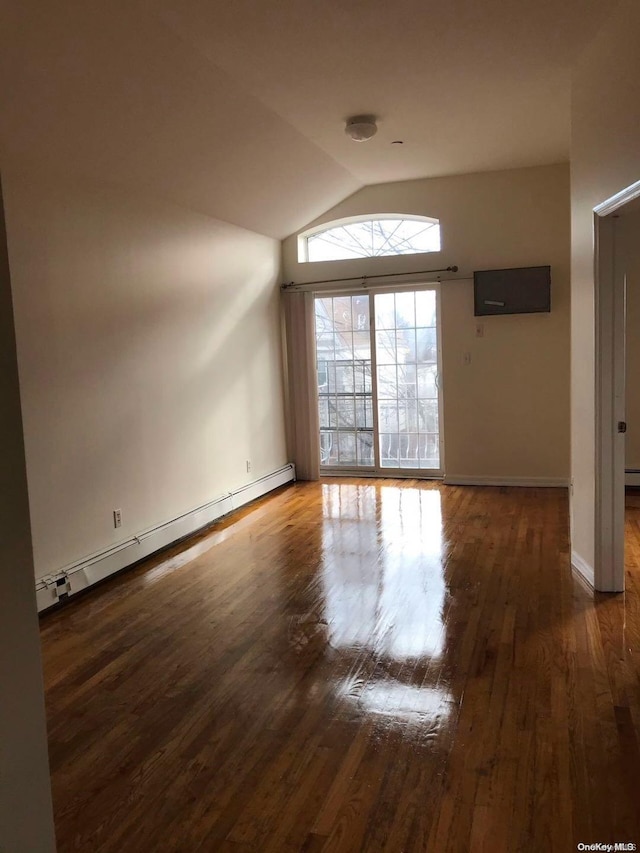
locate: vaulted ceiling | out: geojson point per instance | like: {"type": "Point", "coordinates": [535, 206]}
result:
{"type": "Point", "coordinates": [237, 109]}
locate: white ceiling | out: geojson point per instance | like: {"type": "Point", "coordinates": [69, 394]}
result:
{"type": "Point", "coordinates": [237, 108]}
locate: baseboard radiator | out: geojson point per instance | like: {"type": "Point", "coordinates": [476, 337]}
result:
{"type": "Point", "coordinates": [632, 477]}
{"type": "Point", "coordinates": [72, 579]}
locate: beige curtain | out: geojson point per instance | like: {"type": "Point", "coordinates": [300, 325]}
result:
{"type": "Point", "coordinates": [301, 394]}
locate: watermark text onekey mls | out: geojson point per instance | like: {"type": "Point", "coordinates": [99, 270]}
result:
{"type": "Point", "coordinates": [606, 846]}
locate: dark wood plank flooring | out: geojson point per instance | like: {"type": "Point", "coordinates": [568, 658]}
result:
{"type": "Point", "coordinates": [352, 666]}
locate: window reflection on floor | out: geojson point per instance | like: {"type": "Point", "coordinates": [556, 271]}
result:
{"type": "Point", "coordinates": [401, 701]}
{"type": "Point", "coordinates": [383, 582]}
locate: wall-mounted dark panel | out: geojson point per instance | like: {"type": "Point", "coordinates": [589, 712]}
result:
{"type": "Point", "coordinates": [524, 290]}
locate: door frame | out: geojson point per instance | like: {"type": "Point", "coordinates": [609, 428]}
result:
{"type": "Point", "coordinates": [609, 299]}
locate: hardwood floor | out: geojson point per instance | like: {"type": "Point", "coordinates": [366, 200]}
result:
{"type": "Point", "coordinates": [352, 666]}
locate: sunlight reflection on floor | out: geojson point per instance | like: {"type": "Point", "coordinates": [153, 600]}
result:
{"type": "Point", "coordinates": [389, 600]}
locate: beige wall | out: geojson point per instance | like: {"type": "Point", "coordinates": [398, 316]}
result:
{"type": "Point", "coordinates": [628, 255]}
{"type": "Point", "coordinates": [507, 413]}
{"type": "Point", "coordinates": [26, 822]}
{"type": "Point", "coordinates": [149, 354]}
{"type": "Point", "coordinates": [605, 158]}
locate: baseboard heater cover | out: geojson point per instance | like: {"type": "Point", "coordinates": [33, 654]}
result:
{"type": "Point", "coordinates": [64, 583]}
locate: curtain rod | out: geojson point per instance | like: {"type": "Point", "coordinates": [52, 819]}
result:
{"type": "Point", "coordinates": [289, 284]}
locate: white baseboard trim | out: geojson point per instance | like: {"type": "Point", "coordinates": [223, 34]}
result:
{"type": "Point", "coordinates": [90, 570]}
{"type": "Point", "coordinates": [632, 478]}
{"type": "Point", "coordinates": [526, 482]}
{"type": "Point", "coordinates": [583, 569]}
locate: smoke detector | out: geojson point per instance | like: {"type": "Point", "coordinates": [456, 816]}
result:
{"type": "Point", "coordinates": [361, 128]}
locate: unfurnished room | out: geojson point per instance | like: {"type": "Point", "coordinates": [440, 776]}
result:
{"type": "Point", "coordinates": [320, 482]}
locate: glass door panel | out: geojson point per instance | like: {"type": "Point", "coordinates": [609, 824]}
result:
{"type": "Point", "coordinates": [407, 379]}
{"type": "Point", "coordinates": [345, 394]}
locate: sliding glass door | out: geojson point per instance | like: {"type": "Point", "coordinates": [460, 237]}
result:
{"type": "Point", "coordinates": [378, 381]}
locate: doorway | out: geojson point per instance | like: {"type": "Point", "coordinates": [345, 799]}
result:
{"type": "Point", "coordinates": [378, 359]}
{"type": "Point", "coordinates": [616, 256]}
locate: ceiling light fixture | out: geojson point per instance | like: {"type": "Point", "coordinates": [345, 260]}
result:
{"type": "Point", "coordinates": [361, 128]}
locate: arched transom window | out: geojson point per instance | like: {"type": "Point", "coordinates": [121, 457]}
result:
{"type": "Point", "coordinates": [370, 237]}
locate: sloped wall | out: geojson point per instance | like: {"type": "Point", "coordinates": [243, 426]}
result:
{"type": "Point", "coordinates": [110, 92]}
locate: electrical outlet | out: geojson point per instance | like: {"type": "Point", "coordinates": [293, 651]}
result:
{"type": "Point", "coordinates": [479, 330]}
{"type": "Point", "coordinates": [466, 358]}
{"type": "Point", "coordinates": [248, 466]}
{"type": "Point", "coordinates": [117, 518]}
